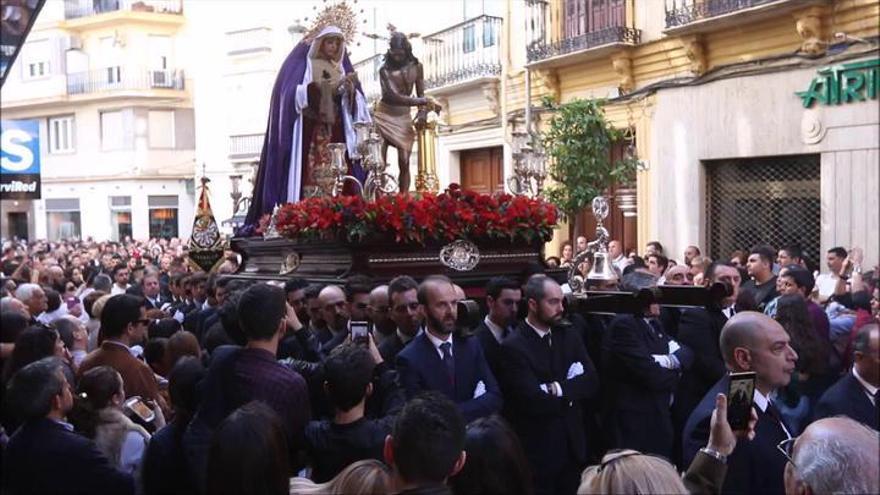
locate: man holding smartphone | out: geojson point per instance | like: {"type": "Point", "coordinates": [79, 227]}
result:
{"type": "Point", "coordinates": [750, 342]}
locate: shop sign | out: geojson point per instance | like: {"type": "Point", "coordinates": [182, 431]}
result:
{"type": "Point", "coordinates": [844, 83]}
{"type": "Point", "coordinates": [20, 159]}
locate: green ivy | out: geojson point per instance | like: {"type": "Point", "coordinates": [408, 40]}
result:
{"type": "Point", "coordinates": [579, 142]}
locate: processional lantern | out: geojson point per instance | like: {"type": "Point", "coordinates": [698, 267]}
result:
{"type": "Point", "coordinates": [601, 271]}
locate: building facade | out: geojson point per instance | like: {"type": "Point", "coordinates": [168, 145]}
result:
{"type": "Point", "coordinates": [711, 93]}
{"type": "Point", "coordinates": [104, 81]}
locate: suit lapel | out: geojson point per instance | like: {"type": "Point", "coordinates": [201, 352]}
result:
{"type": "Point", "coordinates": [539, 355]}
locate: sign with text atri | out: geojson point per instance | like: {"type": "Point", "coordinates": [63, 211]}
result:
{"type": "Point", "coordinates": [20, 159]}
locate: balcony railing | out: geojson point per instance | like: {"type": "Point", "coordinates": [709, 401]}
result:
{"type": "Point", "coordinates": [469, 50]}
{"type": "Point", "coordinates": [587, 24]}
{"type": "Point", "coordinates": [683, 12]}
{"type": "Point", "coordinates": [123, 78]}
{"type": "Point", "coordinates": [245, 146]}
{"type": "Point", "coordinates": [74, 9]}
{"type": "Point", "coordinates": [249, 41]}
{"type": "Point", "coordinates": [368, 74]}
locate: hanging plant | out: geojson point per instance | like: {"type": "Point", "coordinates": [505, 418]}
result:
{"type": "Point", "coordinates": [579, 142]}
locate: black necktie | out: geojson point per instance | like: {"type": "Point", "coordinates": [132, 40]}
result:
{"type": "Point", "coordinates": [546, 340]}
{"type": "Point", "coordinates": [448, 361]}
{"type": "Point", "coordinates": [776, 416]}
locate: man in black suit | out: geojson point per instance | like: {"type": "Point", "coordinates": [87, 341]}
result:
{"type": "Point", "coordinates": [45, 455]}
{"type": "Point", "coordinates": [545, 373]}
{"type": "Point", "coordinates": [855, 395]}
{"type": "Point", "coordinates": [438, 360]}
{"type": "Point", "coordinates": [750, 341]}
{"type": "Point", "coordinates": [700, 330]}
{"type": "Point", "coordinates": [406, 314]}
{"type": "Point", "coordinates": [641, 366]}
{"type": "Point", "coordinates": [150, 286]}
{"type": "Point", "coordinates": [502, 299]}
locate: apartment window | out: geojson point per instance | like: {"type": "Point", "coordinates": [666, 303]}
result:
{"type": "Point", "coordinates": [63, 218]}
{"type": "Point", "coordinates": [111, 130]}
{"type": "Point", "coordinates": [469, 43]}
{"type": "Point", "coordinates": [161, 128]}
{"type": "Point", "coordinates": [36, 59]}
{"type": "Point", "coordinates": [120, 217]}
{"type": "Point", "coordinates": [163, 216]}
{"type": "Point", "coordinates": [489, 33]}
{"type": "Point", "coordinates": [61, 135]}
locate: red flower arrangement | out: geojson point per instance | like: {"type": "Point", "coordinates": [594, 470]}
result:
{"type": "Point", "coordinates": [420, 218]}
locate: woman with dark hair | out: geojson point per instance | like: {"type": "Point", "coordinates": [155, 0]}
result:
{"type": "Point", "coordinates": [249, 454]}
{"type": "Point", "coordinates": [33, 344]}
{"type": "Point", "coordinates": [495, 463]}
{"type": "Point", "coordinates": [97, 414]}
{"type": "Point", "coordinates": [165, 467]}
{"type": "Point", "coordinates": [812, 376]}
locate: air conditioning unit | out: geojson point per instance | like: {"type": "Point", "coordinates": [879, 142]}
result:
{"type": "Point", "coordinates": [162, 79]}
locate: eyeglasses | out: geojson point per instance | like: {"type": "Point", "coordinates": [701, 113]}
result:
{"type": "Point", "coordinates": [786, 447]}
{"type": "Point", "coordinates": [143, 321]}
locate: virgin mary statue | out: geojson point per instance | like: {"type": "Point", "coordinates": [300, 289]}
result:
{"type": "Point", "coordinates": [315, 101]}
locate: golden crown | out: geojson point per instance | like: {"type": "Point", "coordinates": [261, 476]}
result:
{"type": "Point", "coordinates": [338, 14]}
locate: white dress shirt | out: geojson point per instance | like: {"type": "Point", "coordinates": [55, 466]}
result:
{"type": "Point", "coordinates": [436, 342]}
{"type": "Point", "coordinates": [869, 389]}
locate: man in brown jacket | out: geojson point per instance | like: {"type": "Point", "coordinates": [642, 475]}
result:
{"type": "Point", "coordinates": [123, 324]}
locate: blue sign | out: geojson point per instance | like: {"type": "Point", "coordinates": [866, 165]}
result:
{"type": "Point", "coordinates": [20, 159]}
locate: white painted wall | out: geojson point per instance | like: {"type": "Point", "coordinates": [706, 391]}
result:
{"type": "Point", "coordinates": [763, 117]}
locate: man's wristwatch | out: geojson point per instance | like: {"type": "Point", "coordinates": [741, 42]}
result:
{"type": "Point", "coordinates": [714, 454]}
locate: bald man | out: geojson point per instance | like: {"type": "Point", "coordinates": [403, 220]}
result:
{"type": "Point", "coordinates": [335, 312]}
{"type": "Point", "coordinates": [380, 314]}
{"type": "Point", "coordinates": [755, 342]}
{"type": "Point", "coordinates": [833, 455]}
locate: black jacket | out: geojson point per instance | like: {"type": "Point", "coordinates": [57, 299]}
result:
{"type": "Point", "coordinates": [755, 466]}
{"type": "Point", "coordinates": [637, 390]}
{"type": "Point", "coordinates": [551, 428]}
{"type": "Point", "coordinates": [491, 347]}
{"type": "Point", "coordinates": [45, 457]}
{"type": "Point", "coordinates": [848, 397]}
{"type": "Point", "coordinates": [700, 330]}
{"type": "Point", "coordinates": [331, 447]}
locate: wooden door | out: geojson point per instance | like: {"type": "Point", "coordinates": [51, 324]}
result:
{"type": "Point", "coordinates": [482, 170]}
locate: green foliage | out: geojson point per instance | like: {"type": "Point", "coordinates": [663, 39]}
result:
{"type": "Point", "coordinates": [579, 142]}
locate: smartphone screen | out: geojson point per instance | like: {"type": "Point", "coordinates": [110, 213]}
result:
{"type": "Point", "coordinates": [360, 331]}
{"type": "Point", "coordinates": [137, 406]}
{"type": "Point", "coordinates": [739, 399]}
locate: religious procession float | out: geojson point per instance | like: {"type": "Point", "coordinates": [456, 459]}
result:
{"type": "Point", "coordinates": [324, 206]}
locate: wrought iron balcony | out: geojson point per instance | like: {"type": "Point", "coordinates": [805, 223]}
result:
{"type": "Point", "coordinates": [368, 74]}
{"type": "Point", "coordinates": [245, 146]}
{"type": "Point", "coordinates": [466, 51]}
{"type": "Point", "coordinates": [123, 78]}
{"type": "Point", "coordinates": [587, 24]}
{"type": "Point", "coordinates": [684, 12]}
{"type": "Point", "coordinates": [74, 9]}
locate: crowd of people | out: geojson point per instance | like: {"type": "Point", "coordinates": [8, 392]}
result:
{"type": "Point", "coordinates": [126, 371]}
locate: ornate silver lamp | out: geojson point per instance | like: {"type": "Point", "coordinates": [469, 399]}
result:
{"type": "Point", "coordinates": [529, 170]}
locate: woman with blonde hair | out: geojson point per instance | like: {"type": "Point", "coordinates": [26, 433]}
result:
{"type": "Point", "coordinates": [367, 477]}
{"type": "Point", "coordinates": [629, 471]}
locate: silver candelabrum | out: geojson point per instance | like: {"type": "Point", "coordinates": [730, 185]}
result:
{"type": "Point", "coordinates": [529, 170]}
{"type": "Point", "coordinates": [331, 178]}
